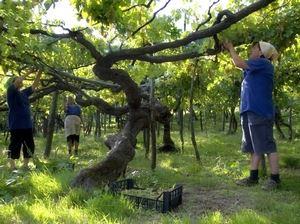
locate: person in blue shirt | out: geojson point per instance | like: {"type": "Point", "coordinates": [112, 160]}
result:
{"type": "Point", "coordinates": [257, 110]}
{"type": "Point", "coordinates": [72, 124]}
{"type": "Point", "coordinates": [19, 120]}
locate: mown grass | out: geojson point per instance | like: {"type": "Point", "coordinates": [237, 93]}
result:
{"type": "Point", "coordinates": [44, 196]}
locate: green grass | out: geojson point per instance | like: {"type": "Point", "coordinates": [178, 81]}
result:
{"type": "Point", "coordinates": [44, 196]}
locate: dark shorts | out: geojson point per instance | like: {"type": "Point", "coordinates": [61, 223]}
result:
{"type": "Point", "coordinates": [73, 138]}
{"type": "Point", "coordinates": [19, 138]}
{"type": "Point", "coordinates": [257, 134]}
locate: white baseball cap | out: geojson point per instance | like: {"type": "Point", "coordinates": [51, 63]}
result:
{"type": "Point", "coordinates": [268, 50]}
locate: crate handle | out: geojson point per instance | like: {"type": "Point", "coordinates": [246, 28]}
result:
{"type": "Point", "coordinates": [159, 196]}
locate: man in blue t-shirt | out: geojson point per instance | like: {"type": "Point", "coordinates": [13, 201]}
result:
{"type": "Point", "coordinates": [19, 120]}
{"type": "Point", "coordinates": [257, 110]}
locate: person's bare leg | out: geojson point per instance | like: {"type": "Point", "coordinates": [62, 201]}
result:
{"type": "Point", "coordinates": [12, 164]}
{"type": "Point", "coordinates": [76, 147]}
{"type": "Point", "coordinates": [255, 159]}
{"type": "Point", "coordinates": [273, 160]}
{"type": "Point", "coordinates": [274, 181]}
{"type": "Point", "coordinates": [253, 177]}
{"type": "Point", "coordinates": [70, 145]}
{"type": "Point", "coordinates": [25, 163]}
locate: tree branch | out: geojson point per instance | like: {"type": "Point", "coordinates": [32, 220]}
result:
{"type": "Point", "coordinates": [149, 21]}
{"type": "Point", "coordinates": [209, 15]}
{"type": "Point", "coordinates": [208, 32]}
{"type": "Point", "coordinates": [102, 105]}
{"type": "Point", "coordinates": [138, 5]}
{"type": "Point", "coordinates": [81, 66]}
{"type": "Point", "coordinates": [121, 77]}
{"type": "Point", "coordinates": [178, 57]}
{"type": "Point", "coordinates": [98, 84]}
{"type": "Point", "coordinates": [88, 101]}
{"type": "Point", "coordinates": [40, 93]}
{"type": "Point", "coordinates": [76, 36]}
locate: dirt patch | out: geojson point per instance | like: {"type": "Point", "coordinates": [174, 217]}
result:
{"type": "Point", "coordinates": [198, 201]}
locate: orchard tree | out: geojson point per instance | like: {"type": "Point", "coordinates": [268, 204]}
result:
{"type": "Point", "coordinates": [84, 61]}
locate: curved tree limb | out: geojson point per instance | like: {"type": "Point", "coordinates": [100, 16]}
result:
{"type": "Point", "coordinates": [139, 5]}
{"type": "Point", "coordinates": [40, 93]}
{"type": "Point", "coordinates": [96, 83]}
{"type": "Point", "coordinates": [122, 78]}
{"type": "Point", "coordinates": [178, 57]}
{"type": "Point", "coordinates": [103, 106]}
{"type": "Point", "coordinates": [95, 101]}
{"type": "Point", "coordinates": [208, 32]}
{"type": "Point", "coordinates": [81, 66]}
{"type": "Point", "coordinates": [134, 53]}
{"type": "Point", "coordinates": [60, 75]}
{"type": "Point", "coordinates": [209, 15]}
{"type": "Point", "coordinates": [223, 13]}
{"type": "Point", "coordinates": [75, 35]}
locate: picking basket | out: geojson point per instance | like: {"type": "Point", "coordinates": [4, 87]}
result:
{"type": "Point", "coordinates": [165, 202]}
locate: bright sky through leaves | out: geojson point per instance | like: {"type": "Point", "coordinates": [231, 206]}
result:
{"type": "Point", "coordinates": [64, 12]}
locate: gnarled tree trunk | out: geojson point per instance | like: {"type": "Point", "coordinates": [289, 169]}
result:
{"type": "Point", "coordinates": [122, 144]}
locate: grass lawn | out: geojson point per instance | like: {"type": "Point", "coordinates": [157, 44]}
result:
{"type": "Point", "coordinates": [210, 196]}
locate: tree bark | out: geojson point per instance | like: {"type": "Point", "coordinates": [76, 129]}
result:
{"type": "Point", "coordinates": [51, 124]}
{"type": "Point", "coordinates": [112, 167]}
{"type": "Point", "coordinates": [121, 145]}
